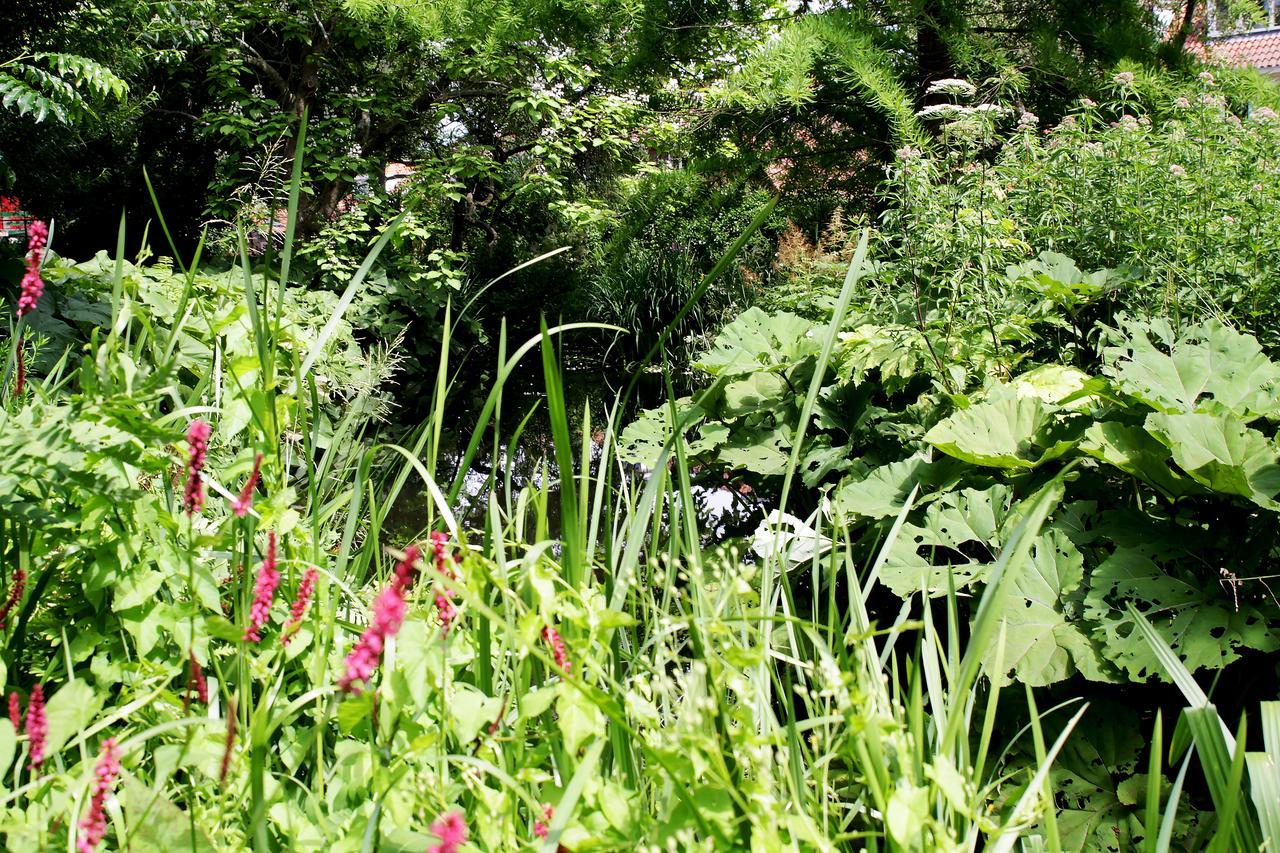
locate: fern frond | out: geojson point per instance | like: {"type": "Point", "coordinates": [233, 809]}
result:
{"type": "Point", "coordinates": [17, 96]}
{"type": "Point", "coordinates": [90, 74]}
{"type": "Point", "coordinates": [62, 89]}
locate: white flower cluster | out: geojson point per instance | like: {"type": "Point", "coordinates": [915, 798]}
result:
{"type": "Point", "coordinates": [952, 86]}
{"type": "Point", "coordinates": [942, 111]}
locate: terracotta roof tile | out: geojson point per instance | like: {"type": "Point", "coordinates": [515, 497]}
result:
{"type": "Point", "coordinates": [1261, 50]}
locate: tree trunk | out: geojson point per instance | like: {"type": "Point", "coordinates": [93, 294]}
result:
{"type": "Point", "coordinates": [933, 59]}
{"type": "Point", "coordinates": [1180, 35]}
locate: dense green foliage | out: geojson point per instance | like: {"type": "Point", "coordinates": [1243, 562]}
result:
{"type": "Point", "coordinates": [962, 539]}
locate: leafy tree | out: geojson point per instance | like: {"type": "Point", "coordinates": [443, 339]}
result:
{"type": "Point", "coordinates": [41, 80]}
{"type": "Point", "coordinates": [825, 100]}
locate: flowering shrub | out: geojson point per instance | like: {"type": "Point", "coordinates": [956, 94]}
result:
{"type": "Point", "coordinates": [1101, 187]}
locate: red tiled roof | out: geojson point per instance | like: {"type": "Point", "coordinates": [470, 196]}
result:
{"type": "Point", "coordinates": [1261, 50]}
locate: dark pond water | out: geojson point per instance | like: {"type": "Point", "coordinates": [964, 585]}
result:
{"type": "Point", "coordinates": [724, 509]}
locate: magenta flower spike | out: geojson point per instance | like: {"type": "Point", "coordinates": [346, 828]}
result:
{"type": "Point", "coordinates": [264, 590]}
{"type": "Point", "coordinates": [197, 449]}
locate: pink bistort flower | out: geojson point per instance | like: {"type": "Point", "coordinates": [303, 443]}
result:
{"type": "Point", "coordinates": [388, 616]}
{"type": "Point", "coordinates": [297, 610]}
{"type": "Point", "coordinates": [197, 449]}
{"type": "Point", "coordinates": [264, 590]}
{"type": "Point", "coordinates": [37, 726]}
{"type": "Point", "coordinates": [240, 506]}
{"type": "Point", "coordinates": [93, 826]}
{"type": "Point", "coordinates": [558, 649]}
{"type": "Point", "coordinates": [196, 682]}
{"type": "Point", "coordinates": [32, 283]}
{"type": "Point", "coordinates": [543, 826]}
{"type": "Point", "coordinates": [451, 829]}
{"type": "Point", "coordinates": [16, 588]}
{"type": "Point", "coordinates": [404, 574]}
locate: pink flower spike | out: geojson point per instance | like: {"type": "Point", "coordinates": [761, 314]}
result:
{"type": "Point", "coordinates": [93, 826]}
{"type": "Point", "coordinates": [404, 573]}
{"type": "Point", "coordinates": [197, 448]}
{"type": "Point", "coordinates": [32, 283]}
{"type": "Point", "coordinates": [445, 610]}
{"type": "Point", "coordinates": [558, 649]}
{"type": "Point", "coordinates": [543, 826]}
{"type": "Point", "coordinates": [451, 829]}
{"type": "Point", "coordinates": [306, 588]}
{"type": "Point", "coordinates": [15, 711]}
{"type": "Point", "coordinates": [264, 590]}
{"type": "Point", "coordinates": [197, 682]}
{"type": "Point", "coordinates": [15, 596]}
{"type": "Point", "coordinates": [388, 616]}
{"type": "Point", "coordinates": [240, 506]}
{"type": "Point", "coordinates": [444, 596]}
{"type": "Point", "coordinates": [37, 726]}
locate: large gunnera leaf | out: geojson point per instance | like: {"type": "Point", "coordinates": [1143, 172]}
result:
{"type": "Point", "coordinates": [1006, 431]}
{"type": "Point", "coordinates": [1135, 451]}
{"type": "Point", "coordinates": [761, 449]}
{"type": "Point", "coordinates": [1100, 792]}
{"type": "Point", "coordinates": [1222, 454]}
{"type": "Point", "coordinates": [954, 542]}
{"type": "Point", "coordinates": [1206, 362]}
{"type": "Point", "coordinates": [642, 441]}
{"type": "Point", "coordinates": [1045, 639]}
{"type": "Point", "coordinates": [882, 492]}
{"type": "Point", "coordinates": [757, 340]}
{"type": "Point", "coordinates": [1203, 621]}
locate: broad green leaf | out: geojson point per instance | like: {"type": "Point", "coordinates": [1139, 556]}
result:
{"type": "Point", "coordinates": [954, 542]}
{"type": "Point", "coordinates": [759, 392]}
{"type": "Point", "coordinates": [166, 826]}
{"type": "Point", "coordinates": [8, 745]}
{"type": "Point", "coordinates": [1045, 640]}
{"type": "Point", "coordinates": [1134, 451]}
{"type": "Point", "coordinates": [1092, 779]}
{"type": "Point", "coordinates": [1198, 619]}
{"type": "Point", "coordinates": [642, 441]}
{"type": "Point", "coordinates": [536, 702]}
{"type": "Point", "coordinates": [762, 450]}
{"type": "Point", "coordinates": [471, 711]}
{"type": "Point", "coordinates": [897, 352]}
{"type": "Point", "coordinates": [1207, 361]}
{"type": "Point", "coordinates": [1005, 431]}
{"type": "Point", "coordinates": [882, 492]}
{"type": "Point", "coordinates": [578, 718]}
{"type": "Point", "coordinates": [1221, 453]}
{"type": "Point", "coordinates": [136, 587]}
{"type": "Point", "coordinates": [757, 340]}
{"type": "Point", "coordinates": [907, 813]}
{"type": "Point", "coordinates": [70, 710]}
{"type": "Point", "coordinates": [419, 657]}
{"type": "Point", "coordinates": [1052, 383]}
{"type": "Point", "coordinates": [821, 459]}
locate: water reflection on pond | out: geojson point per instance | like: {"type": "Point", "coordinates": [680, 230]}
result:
{"type": "Point", "coordinates": [725, 508]}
